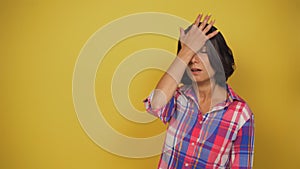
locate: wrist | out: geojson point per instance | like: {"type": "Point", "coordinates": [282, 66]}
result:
{"type": "Point", "coordinates": [185, 55]}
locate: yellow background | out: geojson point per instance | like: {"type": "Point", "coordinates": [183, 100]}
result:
{"type": "Point", "coordinates": [41, 40]}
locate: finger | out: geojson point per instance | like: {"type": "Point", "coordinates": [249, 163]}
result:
{"type": "Point", "coordinates": [203, 24]}
{"type": "Point", "coordinates": [209, 26]}
{"type": "Point", "coordinates": [214, 33]}
{"type": "Point", "coordinates": [198, 19]}
{"type": "Point", "coordinates": [182, 33]}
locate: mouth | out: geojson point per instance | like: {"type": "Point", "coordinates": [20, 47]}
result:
{"type": "Point", "coordinates": [196, 70]}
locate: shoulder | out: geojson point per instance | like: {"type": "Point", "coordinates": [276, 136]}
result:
{"type": "Point", "coordinates": [239, 108]}
{"type": "Point", "coordinates": [184, 89]}
{"type": "Point", "coordinates": [237, 103]}
{"type": "Point", "coordinates": [241, 112]}
{"type": "Point", "coordinates": [183, 94]}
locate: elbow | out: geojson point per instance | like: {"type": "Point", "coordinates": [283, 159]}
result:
{"type": "Point", "coordinates": [158, 100]}
{"type": "Point", "coordinates": [156, 104]}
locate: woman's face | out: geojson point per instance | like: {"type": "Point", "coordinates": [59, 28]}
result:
{"type": "Point", "coordinates": [200, 67]}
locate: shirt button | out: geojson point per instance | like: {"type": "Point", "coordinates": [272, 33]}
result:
{"type": "Point", "coordinates": [186, 164]}
{"type": "Point", "coordinates": [193, 143]}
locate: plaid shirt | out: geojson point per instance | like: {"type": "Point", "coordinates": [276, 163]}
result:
{"type": "Point", "coordinates": [222, 138]}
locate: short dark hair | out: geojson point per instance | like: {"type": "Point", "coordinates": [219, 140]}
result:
{"type": "Point", "coordinates": [220, 56]}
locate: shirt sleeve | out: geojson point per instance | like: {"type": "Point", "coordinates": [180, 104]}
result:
{"type": "Point", "coordinates": [165, 112]}
{"type": "Point", "coordinates": [243, 146]}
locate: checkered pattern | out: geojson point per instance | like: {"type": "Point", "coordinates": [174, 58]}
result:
{"type": "Point", "coordinates": [222, 138]}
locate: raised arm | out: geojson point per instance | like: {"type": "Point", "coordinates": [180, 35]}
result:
{"type": "Point", "coordinates": [191, 43]}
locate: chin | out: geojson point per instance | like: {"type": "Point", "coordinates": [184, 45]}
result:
{"type": "Point", "coordinates": [200, 79]}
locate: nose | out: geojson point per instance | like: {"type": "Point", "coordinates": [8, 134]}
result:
{"type": "Point", "coordinates": [194, 59]}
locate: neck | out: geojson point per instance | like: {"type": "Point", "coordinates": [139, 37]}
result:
{"type": "Point", "coordinates": [205, 90]}
{"type": "Point", "coordinates": [210, 92]}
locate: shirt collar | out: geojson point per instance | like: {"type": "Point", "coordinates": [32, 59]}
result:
{"type": "Point", "coordinates": [232, 95]}
{"type": "Point", "coordinates": [188, 91]}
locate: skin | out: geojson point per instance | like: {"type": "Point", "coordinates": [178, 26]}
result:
{"type": "Point", "coordinates": [208, 92]}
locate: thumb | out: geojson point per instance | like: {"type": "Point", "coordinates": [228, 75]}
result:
{"type": "Point", "coordinates": [182, 33]}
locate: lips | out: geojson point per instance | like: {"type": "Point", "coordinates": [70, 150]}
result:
{"type": "Point", "coordinates": [196, 69]}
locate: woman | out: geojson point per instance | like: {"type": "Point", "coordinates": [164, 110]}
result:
{"type": "Point", "coordinates": [210, 126]}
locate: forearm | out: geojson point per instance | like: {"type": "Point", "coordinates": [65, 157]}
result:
{"type": "Point", "coordinates": [170, 80]}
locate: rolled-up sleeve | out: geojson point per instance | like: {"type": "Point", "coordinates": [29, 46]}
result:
{"type": "Point", "coordinates": [165, 112]}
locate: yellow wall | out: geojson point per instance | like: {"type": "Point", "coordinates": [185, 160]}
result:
{"type": "Point", "coordinates": [40, 43]}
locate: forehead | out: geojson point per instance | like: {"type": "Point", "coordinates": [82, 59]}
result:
{"type": "Point", "coordinates": [203, 49]}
